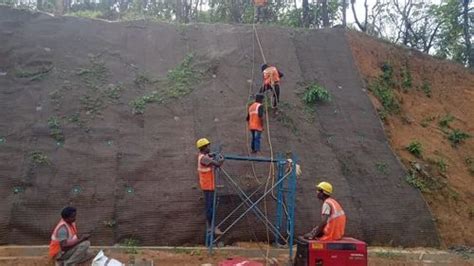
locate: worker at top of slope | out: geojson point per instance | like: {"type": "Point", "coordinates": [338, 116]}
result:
{"type": "Point", "coordinates": [271, 81]}
{"type": "Point", "coordinates": [66, 247]}
{"type": "Point", "coordinates": [259, 10]}
{"type": "Point", "coordinates": [207, 162]}
{"type": "Point", "coordinates": [255, 122]}
{"type": "Point", "coordinates": [333, 218]}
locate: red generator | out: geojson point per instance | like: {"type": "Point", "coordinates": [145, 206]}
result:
{"type": "Point", "coordinates": [347, 251]}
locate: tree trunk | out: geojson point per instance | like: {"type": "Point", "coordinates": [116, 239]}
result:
{"type": "Point", "coordinates": [325, 13]}
{"type": "Point", "coordinates": [305, 14]}
{"type": "Point", "coordinates": [39, 4]}
{"type": "Point", "coordinates": [344, 15]}
{"type": "Point", "coordinates": [361, 27]}
{"type": "Point", "coordinates": [59, 7]}
{"type": "Point", "coordinates": [469, 55]}
{"type": "Point", "coordinates": [179, 11]}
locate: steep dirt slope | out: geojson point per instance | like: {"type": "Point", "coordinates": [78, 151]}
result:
{"type": "Point", "coordinates": [69, 135]}
{"type": "Point", "coordinates": [440, 89]}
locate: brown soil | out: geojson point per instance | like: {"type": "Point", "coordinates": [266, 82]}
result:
{"type": "Point", "coordinates": [191, 257]}
{"type": "Point", "coordinates": [452, 92]}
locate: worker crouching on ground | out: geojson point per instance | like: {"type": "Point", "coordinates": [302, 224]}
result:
{"type": "Point", "coordinates": [207, 163]}
{"type": "Point", "coordinates": [271, 81]}
{"type": "Point", "coordinates": [333, 218]}
{"type": "Point", "coordinates": [66, 247]}
{"type": "Point", "coordinates": [255, 122]}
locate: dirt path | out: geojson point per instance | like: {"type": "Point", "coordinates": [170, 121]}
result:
{"type": "Point", "coordinates": [32, 256]}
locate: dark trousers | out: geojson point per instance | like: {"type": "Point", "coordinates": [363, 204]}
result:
{"type": "Point", "coordinates": [256, 137]}
{"type": "Point", "coordinates": [209, 199]}
{"type": "Point", "coordinates": [275, 89]}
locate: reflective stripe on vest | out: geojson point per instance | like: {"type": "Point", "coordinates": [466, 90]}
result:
{"type": "Point", "coordinates": [54, 245]}
{"type": "Point", "coordinates": [201, 168]}
{"type": "Point", "coordinates": [335, 226]}
{"type": "Point", "coordinates": [255, 122]}
{"type": "Point", "coordinates": [206, 175]}
{"type": "Point", "coordinates": [271, 76]}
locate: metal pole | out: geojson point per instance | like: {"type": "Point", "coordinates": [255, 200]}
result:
{"type": "Point", "coordinates": [291, 211]}
{"type": "Point", "coordinates": [256, 210]}
{"type": "Point", "coordinates": [279, 211]}
{"type": "Point", "coordinates": [252, 206]}
{"type": "Point", "coordinates": [253, 159]}
{"type": "Point", "coordinates": [214, 203]}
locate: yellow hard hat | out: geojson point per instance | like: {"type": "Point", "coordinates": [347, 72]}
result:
{"type": "Point", "coordinates": [325, 187]}
{"type": "Point", "coordinates": [202, 142]}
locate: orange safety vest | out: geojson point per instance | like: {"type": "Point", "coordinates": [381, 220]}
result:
{"type": "Point", "coordinates": [334, 229]}
{"type": "Point", "coordinates": [271, 76]}
{"type": "Point", "coordinates": [54, 245]}
{"type": "Point", "coordinates": [260, 2]}
{"type": "Point", "coordinates": [206, 175]}
{"type": "Point", "coordinates": [255, 122]}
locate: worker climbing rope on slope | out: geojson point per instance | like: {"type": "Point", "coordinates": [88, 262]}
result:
{"type": "Point", "coordinates": [333, 218]}
{"type": "Point", "coordinates": [271, 81]}
{"type": "Point", "coordinates": [207, 162]}
{"type": "Point", "coordinates": [255, 122]}
{"type": "Point", "coordinates": [66, 247]}
{"type": "Point", "coordinates": [259, 10]}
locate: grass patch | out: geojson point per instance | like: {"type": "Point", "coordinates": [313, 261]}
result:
{"type": "Point", "coordinates": [92, 105]}
{"type": "Point", "coordinates": [382, 88]}
{"type": "Point", "coordinates": [39, 158]}
{"type": "Point", "coordinates": [415, 148]}
{"type": "Point", "coordinates": [180, 79]}
{"type": "Point", "coordinates": [441, 164]}
{"type": "Point", "coordinates": [413, 180]}
{"type": "Point", "coordinates": [407, 80]}
{"type": "Point", "coordinates": [458, 136]}
{"type": "Point", "coordinates": [387, 255]}
{"type": "Point", "coordinates": [142, 79]}
{"type": "Point", "coordinates": [130, 245]}
{"type": "Point", "coordinates": [315, 93]}
{"type": "Point", "coordinates": [381, 167]}
{"type": "Point", "coordinates": [139, 104]}
{"type": "Point", "coordinates": [285, 119]}
{"type": "Point", "coordinates": [55, 130]}
{"type": "Point", "coordinates": [37, 73]}
{"type": "Point", "coordinates": [94, 75]}
{"type": "Point", "coordinates": [445, 121]}
{"type": "Point", "coordinates": [425, 122]}
{"type": "Point", "coordinates": [426, 88]}
{"type": "Point", "coordinates": [113, 92]}
{"type": "Point", "coordinates": [76, 119]}
{"type": "Point", "coordinates": [179, 82]}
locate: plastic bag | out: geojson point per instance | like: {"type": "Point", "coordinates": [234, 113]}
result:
{"type": "Point", "coordinates": [102, 260]}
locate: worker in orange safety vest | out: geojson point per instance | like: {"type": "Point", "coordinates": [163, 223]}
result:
{"type": "Point", "coordinates": [271, 81]}
{"type": "Point", "coordinates": [333, 218]}
{"type": "Point", "coordinates": [259, 10]}
{"type": "Point", "coordinates": [207, 162]}
{"type": "Point", "coordinates": [255, 122]}
{"type": "Point", "coordinates": [66, 247]}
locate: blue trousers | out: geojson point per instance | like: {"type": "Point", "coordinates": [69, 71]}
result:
{"type": "Point", "coordinates": [209, 198]}
{"type": "Point", "coordinates": [256, 137]}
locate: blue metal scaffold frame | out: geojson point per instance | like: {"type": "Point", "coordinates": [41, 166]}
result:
{"type": "Point", "coordinates": [285, 201]}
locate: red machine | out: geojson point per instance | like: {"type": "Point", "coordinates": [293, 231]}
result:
{"type": "Point", "coordinates": [347, 251]}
